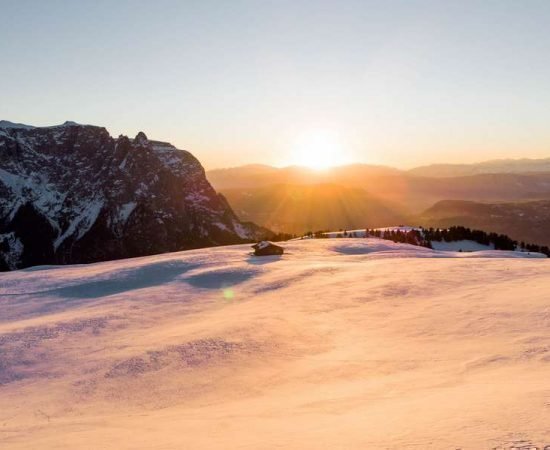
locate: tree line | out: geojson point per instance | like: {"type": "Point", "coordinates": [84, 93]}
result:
{"type": "Point", "coordinates": [425, 236]}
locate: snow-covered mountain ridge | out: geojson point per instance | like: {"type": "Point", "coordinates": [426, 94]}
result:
{"type": "Point", "coordinates": [352, 343]}
{"type": "Point", "coordinates": [73, 194]}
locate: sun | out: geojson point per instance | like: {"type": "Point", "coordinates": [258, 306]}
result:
{"type": "Point", "coordinates": [317, 149]}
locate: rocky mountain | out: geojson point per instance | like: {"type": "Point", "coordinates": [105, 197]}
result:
{"type": "Point", "coordinates": [74, 194]}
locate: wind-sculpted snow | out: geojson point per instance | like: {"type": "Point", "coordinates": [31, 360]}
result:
{"type": "Point", "coordinates": [337, 343]}
{"type": "Point", "coordinates": [19, 358]}
{"type": "Point", "coordinates": [191, 354]}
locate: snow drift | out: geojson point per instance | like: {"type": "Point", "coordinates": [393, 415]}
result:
{"type": "Point", "coordinates": [338, 343]}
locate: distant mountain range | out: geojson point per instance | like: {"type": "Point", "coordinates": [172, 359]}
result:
{"type": "Point", "coordinates": [411, 192]}
{"type": "Point", "coordinates": [495, 166]}
{"type": "Point", "coordinates": [73, 194]}
{"type": "Point", "coordinates": [296, 199]}
{"type": "Point", "coordinates": [254, 175]}
{"type": "Point", "coordinates": [257, 175]}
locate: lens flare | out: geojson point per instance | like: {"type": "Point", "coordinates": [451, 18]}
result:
{"type": "Point", "coordinates": [228, 294]}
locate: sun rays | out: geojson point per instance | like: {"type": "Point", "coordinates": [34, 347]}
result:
{"type": "Point", "coordinates": [318, 149]}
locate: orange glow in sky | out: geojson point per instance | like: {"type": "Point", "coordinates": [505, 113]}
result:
{"type": "Point", "coordinates": [317, 149]}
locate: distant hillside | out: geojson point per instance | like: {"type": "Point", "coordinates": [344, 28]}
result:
{"type": "Point", "coordinates": [300, 208]}
{"type": "Point", "coordinates": [257, 175]}
{"type": "Point", "coordinates": [422, 192]}
{"type": "Point", "coordinates": [358, 196]}
{"type": "Point", "coordinates": [524, 221]}
{"type": "Point", "coordinates": [495, 166]}
{"type": "Point", "coordinates": [413, 193]}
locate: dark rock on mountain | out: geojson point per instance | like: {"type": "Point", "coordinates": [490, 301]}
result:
{"type": "Point", "coordinates": [73, 194]}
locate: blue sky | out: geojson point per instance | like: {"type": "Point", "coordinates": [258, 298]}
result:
{"type": "Point", "coordinates": [400, 82]}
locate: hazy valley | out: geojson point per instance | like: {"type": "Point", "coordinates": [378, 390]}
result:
{"type": "Point", "coordinates": [297, 200]}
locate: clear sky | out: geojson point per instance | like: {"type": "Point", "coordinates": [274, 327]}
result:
{"type": "Point", "coordinates": [401, 83]}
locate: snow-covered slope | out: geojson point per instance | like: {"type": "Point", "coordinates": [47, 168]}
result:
{"type": "Point", "coordinates": [6, 124]}
{"type": "Point", "coordinates": [72, 193]}
{"type": "Point", "coordinates": [339, 343]}
{"type": "Point", "coordinates": [462, 245]}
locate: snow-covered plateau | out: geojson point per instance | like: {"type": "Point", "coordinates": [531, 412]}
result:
{"type": "Point", "coordinates": [337, 344]}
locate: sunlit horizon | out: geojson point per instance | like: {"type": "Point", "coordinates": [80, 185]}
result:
{"type": "Point", "coordinates": [402, 84]}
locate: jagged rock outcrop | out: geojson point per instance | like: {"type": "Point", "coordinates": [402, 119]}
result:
{"type": "Point", "coordinates": [73, 194]}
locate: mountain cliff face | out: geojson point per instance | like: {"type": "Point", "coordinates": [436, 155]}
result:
{"type": "Point", "coordinates": [73, 194]}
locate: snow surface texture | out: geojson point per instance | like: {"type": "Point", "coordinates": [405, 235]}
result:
{"type": "Point", "coordinates": [454, 246]}
{"type": "Point", "coordinates": [339, 343]}
{"type": "Point", "coordinates": [463, 245]}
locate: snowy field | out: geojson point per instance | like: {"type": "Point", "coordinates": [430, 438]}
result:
{"type": "Point", "coordinates": [338, 344]}
{"type": "Point", "coordinates": [464, 245]}
{"type": "Point", "coordinates": [454, 246]}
